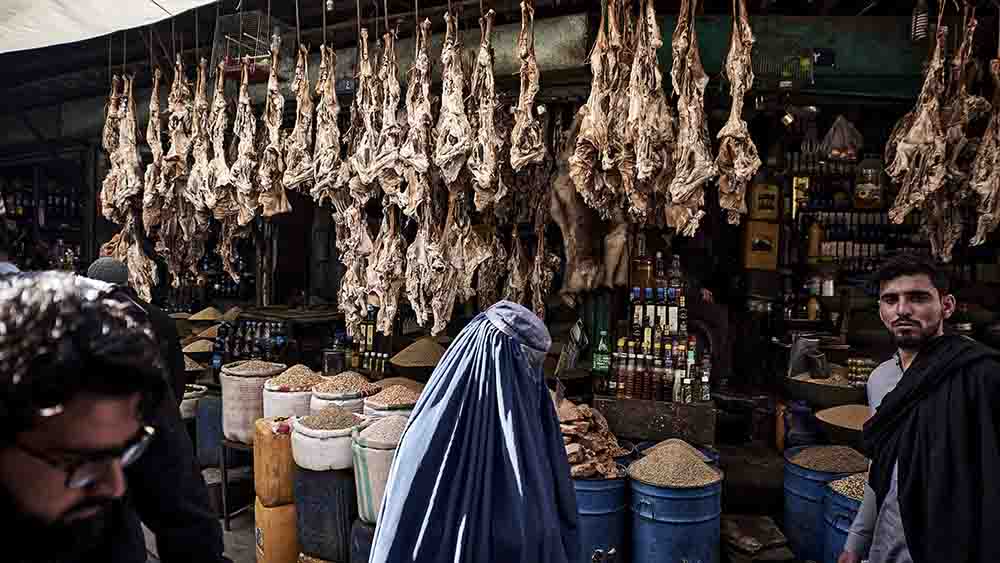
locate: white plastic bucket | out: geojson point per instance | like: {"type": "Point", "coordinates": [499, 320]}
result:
{"type": "Point", "coordinates": [285, 403]}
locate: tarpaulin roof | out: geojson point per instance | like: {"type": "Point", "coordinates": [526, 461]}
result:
{"type": "Point", "coordinates": [30, 24]}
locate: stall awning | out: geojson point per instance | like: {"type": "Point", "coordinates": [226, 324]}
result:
{"type": "Point", "coordinates": [30, 24]}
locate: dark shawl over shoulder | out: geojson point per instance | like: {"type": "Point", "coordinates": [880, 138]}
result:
{"type": "Point", "coordinates": [942, 424]}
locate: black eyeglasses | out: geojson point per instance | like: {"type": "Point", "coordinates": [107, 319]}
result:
{"type": "Point", "coordinates": [87, 470]}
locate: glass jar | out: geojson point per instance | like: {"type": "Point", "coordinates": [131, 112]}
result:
{"type": "Point", "coordinates": [868, 187]}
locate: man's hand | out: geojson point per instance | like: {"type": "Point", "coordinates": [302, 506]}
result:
{"type": "Point", "coordinates": [849, 557]}
{"type": "Point", "coordinates": [707, 297]}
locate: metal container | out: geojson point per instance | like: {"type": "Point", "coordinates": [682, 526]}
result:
{"type": "Point", "coordinates": [602, 507]}
{"type": "Point", "coordinates": [803, 515]}
{"type": "Point", "coordinates": [334, 361]}
{"type": "Point", "coordinates": [675, 524]}
{"type": "Point", "coordinates": [838, 515]}
{"type": "Point", "coordinates": [326, 506]}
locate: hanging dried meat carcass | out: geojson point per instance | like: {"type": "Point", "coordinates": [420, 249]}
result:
{"type": "Point", "coordinates": [737, 160]}
{"type": "Point", "coordinates": [985, 180]}
{"type": "Point", "coordinates": [520, 272]}
{"type": "Point", "coordinates": [299, 170]}
{"type": "Point", "coordinates": [387, 270]}
{"type": "Point", "coordinates": [527, 137]}
{"type": "Point", "coordinates": [245, 137]}
{"type": "Point", "coordinates": [962, 109]}
{"type": "Point", "coordinates": [575, 219]}
{"type": "Point", "coordinates": [355, 244]}
{"type": "Point", "coordinates": [152, 201]}
{"type": "Point", "coordinates": [694, 165]}
{"type": "Point", "coordinates": [544, 266]}
{"type": "Point", "coordinates": [418, 269]}
{"type": "Point", "coordinates": [918, 166]}
{"type": "Point", "coordinates": [454, 132]}
{"type": "Point", "coordinates": [491, 272]}
{"type": "Point", "coordinates": [179, 123]}
{"type": "Point", "coordinates": [129, 194]}
{"type": "Point", "coordinates": [482, 161]}
{"type": "Point", "coordinates": [415, 154]}
{"type": "Point", "coordinates": [272, 199]}
{"type": "Point", "coordinates": [327, 156]}
{"type": "Point", "coordinates": [592, 141]}
{"type": "Point", "coordinates": [363, 151]}
{"type": "Point", "coordinates": [230, 235]}
{"type": "Point", "coordinates": [943, 223]}
{"type": "Point", "coordinates": [221, 195]}
{"type": "Point", "coordinates": [618, 159]}
{"type": "Point", "coordinates": [650, 120]}
{"type": "Point", "coordinates": [126, 246]}
{"type": "Point", "coordinates": [199, 179]}
{"type": "Point", "coordinates": [110, 139]}
{"type": "Point", "coordinates": [391, 136]}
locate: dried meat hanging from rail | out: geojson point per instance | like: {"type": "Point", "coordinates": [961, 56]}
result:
{"type": "Point", "coordinates": [273, 199]}
{"type": "Point", "coordinates": [454, 132]}
{"type": "Point", "coordinates": [483, 159]}
{"type": "Point", "coordinates": [243, 170]}
{"type": "Point", "coordinates": [392, 133]}
{"type": "Point", "coordinates": [986, 169]}
{"type": "Point", "coordinates": [527, 137]}
{"type": "Point", "coordinates": [327, 161]}
{"type": "Point", "coordinates": [737, 160]}
{"type": "Point", "coordinates": [299, 167]}
{"type": "Point", "coordinates": [694, 165]}
{"type": "Point", "coordinates": [417, 151]}
{"type": "Point", "coordinates": [152, 200]}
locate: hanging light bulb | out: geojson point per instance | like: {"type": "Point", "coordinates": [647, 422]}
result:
{"type": "Point", "coordinates": [918, 25]}
{"type": "Point", "coordinates": [329, 5]}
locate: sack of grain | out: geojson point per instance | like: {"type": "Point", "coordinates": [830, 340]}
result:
{"type": "Point", "coordinates": [322, 441]}
{"type": "Point", "coordinates": [289, 393]}
{"type": "Point", "coordinates": [395, 400]}
{"type": "Point", "coordinates": [273, 466]}
{"type": "Point", "coordinates": [242, 396]}
{"type": "Point", "coordinates": [374, 447]}
{"type": "Point", "coordinates": [346, 390]}
{"type": "Point", "coordinates": [189, 404]}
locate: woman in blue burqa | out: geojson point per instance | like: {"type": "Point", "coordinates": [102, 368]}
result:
{"type": "Point", "coordinates": [481, 474]}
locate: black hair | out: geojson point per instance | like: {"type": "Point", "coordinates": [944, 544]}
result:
{"type": "Point", "coordinates": [108, 351]}
{"type": "Point", "coordinates": [912, 265]}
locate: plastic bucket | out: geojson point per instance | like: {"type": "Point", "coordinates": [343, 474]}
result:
{"type": "Point", "coordinates": [675, 524]}
{"type": "Point", "coordinates": [838, 515]}
{"type": "Point", "coordinates": [803, 514]}
{"type": "Point", "coordinates": [602, 505]}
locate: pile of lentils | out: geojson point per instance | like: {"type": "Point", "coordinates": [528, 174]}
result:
{"type": "Point", "coordinates": [330, 418]}
{"type": "Point", "coordinates": [295, 378]}
{"type": "Point", "coordinates": [395, 396]}
{"type": "Point", "coordinates": [678, 443]}
{"type": "Point", "coordinates": [386, 430]}
{"type": "Point", "coordinates": [253, 368]}
{"type": "Point", "coordinates": [674, 465]}
{"type": "Point", "coordinates": [348, 383]}
{"type": "Point", "coordinates": [831, 459]}
{"type": "Point", "coordinates": [852, 487]}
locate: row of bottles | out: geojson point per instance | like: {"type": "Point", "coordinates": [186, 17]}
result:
{"type": "Point", "coordinates": [672, 371]}
{"type": "Point", "coordinates": [374, 363]}
{"type": "Point", "coordinates": [366, 356]}
{"type": "Point", "coordinates": [657, 305]}
{"type": "Point", "coordinates": [250, 340]}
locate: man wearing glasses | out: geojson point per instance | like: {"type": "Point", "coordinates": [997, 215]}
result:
{"type": "Point", "coordinates": [81, 378]}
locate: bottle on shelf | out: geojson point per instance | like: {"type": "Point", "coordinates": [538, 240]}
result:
{"type": "Point", "coordinates": [629, 390]}
{"type": "Point", "coordinates": [601, 364]}
{"type": "Point", "coordinates": [668, 372]}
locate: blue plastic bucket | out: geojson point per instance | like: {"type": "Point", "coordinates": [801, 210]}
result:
{"type": "Point", "coordinates": [838, 515]}
{"type": "Point", "coordinates": [674, 524]}
{"type": "Point", "coordinates": [602, 505]}
{"type": "Point", "coordinates": [803, 515]}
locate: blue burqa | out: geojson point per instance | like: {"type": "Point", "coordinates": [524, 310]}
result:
{"type": "Point", "coordinates": [481, 474]}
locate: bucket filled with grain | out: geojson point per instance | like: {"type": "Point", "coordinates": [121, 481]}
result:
{"type": "Point", "coordinates": [374, 446]}
{"type": "Point", "coordinates": [242, 396]}
{"type": "Point", "coordinates": [322, 441]}
{"type": "Point", "coordinates": [289, 394]}
{"type": "Point", "coordinates": [394, 400]}
{"type": "Point", "coordinates": [346, 390]}
{"type": "Point", "coordinates": [676, 501]}
{"type": "Point", "coordinates": [808, 471]}
{"type": "Point", "coordinates": [840, 506]}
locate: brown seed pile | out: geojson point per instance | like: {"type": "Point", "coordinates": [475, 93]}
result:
{"type": "Point", "coordinates": [852, 417]}
{"type": "Point", "coordinates": [348, 382]}
{"type": "Point", "coordinates": [191, 365]}
{"type": "Point", "coordinates": [295, 378]}
{"type": "Point", "coordinates": [675, 442]}
{"type": "Point", "coordinates": [252, 368]}
{"type": "Point", "coordinates": [387, 430]}
{"type": "Point", "coordinates": [835, 380]}
{"type": "Point", "coordinates": [330, 418]}
{"type": "Point", "coordinates": [674, 465]}
{"type": "Point", "coordinates": [831, 459]}
{"type": "Point", "coordinates": [395, 396]}
{"type": "Point", "coordinates": [852, 487]}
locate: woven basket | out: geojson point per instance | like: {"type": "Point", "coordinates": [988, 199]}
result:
{"type": "Point", "coordinates": [243, 399]}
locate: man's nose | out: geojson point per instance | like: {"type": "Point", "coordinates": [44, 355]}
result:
{"type": "Point", "coordinates": [112, 482]}
{"type": "Point", "coordinates": [904, 308]}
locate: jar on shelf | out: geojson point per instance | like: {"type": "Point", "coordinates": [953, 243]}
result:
{"type": "Point", "coordinates": [868, 187]}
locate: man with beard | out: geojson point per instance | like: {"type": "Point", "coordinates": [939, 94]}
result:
{"type": "Point", "coordinates": [82, 379]}
{"type": "Point", "coordinates": [934, 436]}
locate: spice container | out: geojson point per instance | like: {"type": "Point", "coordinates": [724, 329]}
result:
{"type": "Point", "coordinates": [334, 361]}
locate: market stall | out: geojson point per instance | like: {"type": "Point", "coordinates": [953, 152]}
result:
{"type": "Point", "coordinates": [687, 196]}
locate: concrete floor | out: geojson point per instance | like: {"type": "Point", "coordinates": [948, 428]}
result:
{"type": "Point", "coordinates": [239, 540]}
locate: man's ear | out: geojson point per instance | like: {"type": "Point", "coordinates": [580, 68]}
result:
{"type": "Point", "coordinates": [948, 305]}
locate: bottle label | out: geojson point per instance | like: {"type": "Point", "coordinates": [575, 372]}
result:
{"type": "Point", "coordinates": [673, 320]}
